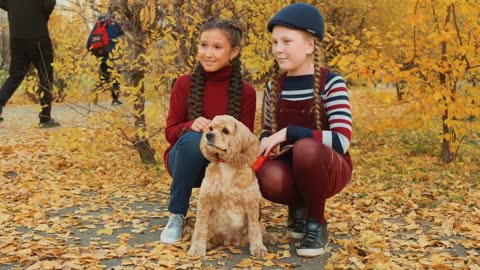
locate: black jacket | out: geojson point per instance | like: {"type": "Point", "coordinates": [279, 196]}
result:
{"type": "Point", "coordinates": [28, 18]}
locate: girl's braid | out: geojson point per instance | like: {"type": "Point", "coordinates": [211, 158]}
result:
{"type": "Point", "coordinates": [317, 79]}
{"type": "Point", "coordinates": [274, 95]}
{"type": "Point", "coordinates": [235, 89]}
{"type": "Point", "coordinates": [195, 100]}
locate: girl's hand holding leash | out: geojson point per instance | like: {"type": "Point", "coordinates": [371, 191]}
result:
{"type": "Point", "coordinates": [268, 143]}
{"type": "Point", "coordinates": [266, 146]}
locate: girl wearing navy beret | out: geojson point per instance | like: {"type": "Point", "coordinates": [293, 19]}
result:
{"type": "Point", "coordinates": [306, 112]}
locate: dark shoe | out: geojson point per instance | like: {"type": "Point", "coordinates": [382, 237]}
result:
{"type": "Point", "coordinates": [315, 240]}
{"type": "Point", "coordinates": [116, 102]}
{"type": "Point", "coordinates": [50, 123]}
{"type": "Point", "coordinates": [296, 222]}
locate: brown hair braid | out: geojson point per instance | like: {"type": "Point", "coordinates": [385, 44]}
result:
{"type": "Point", "coordinates": [273, 95]}
{"type": "Point", "coordinates": [233, 33]}
{"type": "Point", "coordinates": [317, 79]}
{"type": "Point", "coordinates": [235, 89]}
{"type": "Point", "coordinates": [195, 100]}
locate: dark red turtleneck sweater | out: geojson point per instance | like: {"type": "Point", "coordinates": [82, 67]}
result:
{"type": "Point", "coordinates": [215, 102]}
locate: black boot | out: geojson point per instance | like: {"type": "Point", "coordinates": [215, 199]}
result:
{"type": "Point", "coordinates": [116, 102]}
{"type": "Point", "coordinates": [115, 95]}
{"type": "Point", "coordinates": [296, 222]}
{"type": "Point", "coordinates": [315, 240]}
{"type": "Point", "coordinates": [50, 123]}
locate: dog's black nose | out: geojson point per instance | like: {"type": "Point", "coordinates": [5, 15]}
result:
{"type": "Point", "coordinates": [210, 136]}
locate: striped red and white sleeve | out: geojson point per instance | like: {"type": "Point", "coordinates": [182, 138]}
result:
{"type": "Point", "coordinates": [337, 105]}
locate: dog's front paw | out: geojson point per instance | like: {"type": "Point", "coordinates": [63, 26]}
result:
{"type": "Point", "coordinates": [258, 251]}
{"type": "Point", "coordinates": [197, 250]}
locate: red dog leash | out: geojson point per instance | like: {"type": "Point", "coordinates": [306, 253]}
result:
{"type": "Point", "coordinates": [258, 164]}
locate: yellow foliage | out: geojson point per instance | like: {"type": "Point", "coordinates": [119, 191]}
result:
{"type": "Point", "coordinates": [434, 60]}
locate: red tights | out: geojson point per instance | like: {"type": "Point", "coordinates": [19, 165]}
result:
{"type": "Point", "coordinates": [305, 177]}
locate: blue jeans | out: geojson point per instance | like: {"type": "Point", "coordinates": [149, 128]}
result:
{"type": "Point", "coordinates": [187, 166]}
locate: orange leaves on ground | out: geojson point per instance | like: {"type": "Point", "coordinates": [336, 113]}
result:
{"type": "Point", "coordinates": [91, 205]}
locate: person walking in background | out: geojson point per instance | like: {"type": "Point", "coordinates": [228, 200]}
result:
{"type": "Point", "coordinates": [215, 87]}
{"type": "Point", "coordinates": [101, 42]}
{"type": "Point", "coordinates": [306, 112]}
{"type": "Point", "coordinates": [30, 44]}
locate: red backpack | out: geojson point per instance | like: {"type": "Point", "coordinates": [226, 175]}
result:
{"type": "Point", "coordinates": [100, 40]}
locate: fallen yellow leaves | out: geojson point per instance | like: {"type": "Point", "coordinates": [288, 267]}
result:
{"type": "Point", "coordinates": [283, 254]}
{"type": "Point", "coordinates": [106, 231]}
{"type": "Point", "coordinates": [268, 263]}
{"type": "Point", "coordinates": [234, 250]}
{"type": "Point", "coordinates": [5, 218]}
{"type": "Point", "coordinates": [121, 250]}
{"type": "Point", "coordinates": [372, 241]}
{"type": "Point", "coordinates": [94, 207]}
{"type": "Point", "coordinates": [46, 265]}
{"type": "Point", "coordinates": [245, 263]}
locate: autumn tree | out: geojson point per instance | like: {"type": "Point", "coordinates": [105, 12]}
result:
{"type": "Point", "coordinates": [140, 20]}
{"type": "Point", "coordinates": [438, 55]}
{"type": "Point", "coordinates": [162, 42]}
{"type": "Point", "coordinates": [367, 41]}
{"type": "Point", "coordinates": [445, 51]}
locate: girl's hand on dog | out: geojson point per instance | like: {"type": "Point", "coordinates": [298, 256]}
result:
{"type": "Point", "coordinates": [267, 143]}
{"type": "Point", "coordinates": [200, 124]}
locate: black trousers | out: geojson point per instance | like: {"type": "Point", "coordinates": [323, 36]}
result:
{"type": "Point", "coordinates": [24, 52]}
{"type": "Point", "coordinates": [105, 76]}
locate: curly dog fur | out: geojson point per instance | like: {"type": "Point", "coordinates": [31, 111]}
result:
{"type": "Point", "coordinates": [229, 200]}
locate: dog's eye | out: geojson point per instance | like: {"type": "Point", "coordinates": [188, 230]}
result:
{"type": "Point", "coordinates": [225, 131]}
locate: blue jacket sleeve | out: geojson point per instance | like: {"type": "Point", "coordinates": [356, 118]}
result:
{"type": "Point", "coordinates": [114, 30]}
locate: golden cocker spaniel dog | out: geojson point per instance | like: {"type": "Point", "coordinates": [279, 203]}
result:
{"type": "Point", "coordinates": [228, 210]}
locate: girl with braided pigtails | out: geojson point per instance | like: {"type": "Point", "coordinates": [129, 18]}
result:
{"type": "Point", "coordinates": [306, 112]}
{"type": "Point", "coordinates": [215, 87]}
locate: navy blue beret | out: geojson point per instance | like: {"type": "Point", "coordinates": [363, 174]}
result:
{"type": "Point", "coordinates": [300, 16]}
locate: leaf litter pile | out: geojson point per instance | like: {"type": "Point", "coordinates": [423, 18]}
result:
{"type": "Point", "coordinates": [78, 198]}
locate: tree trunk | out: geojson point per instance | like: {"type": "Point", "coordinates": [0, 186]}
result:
{"type": "Point", "coordinates": [398, 86]}
{"type": "Point", "coordinates": [447, 154]}
{"type": "Point", "coordinates": [181, 59]}
{"type": "Point", "coordinates": [141, 143]}
{"type": "Point", "coordinates": [130, 14]}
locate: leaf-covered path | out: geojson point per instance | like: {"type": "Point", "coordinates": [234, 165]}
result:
{"type": "Point", "coordinates": [76, 198]}
{"type": "Point", "coordinates": [68, 208]}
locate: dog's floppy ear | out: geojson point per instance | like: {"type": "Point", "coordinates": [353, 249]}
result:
{"type": "Point", "coordinates": [243, 145]}
{"type": "Point", "coordinates": [248, 144]}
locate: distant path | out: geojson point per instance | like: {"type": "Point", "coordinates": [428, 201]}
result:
{"type": "Point", "coordinates": [22, 118]}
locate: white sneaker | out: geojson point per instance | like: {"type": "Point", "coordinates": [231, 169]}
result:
{"type": "Point", "coordinates": [173, 231]}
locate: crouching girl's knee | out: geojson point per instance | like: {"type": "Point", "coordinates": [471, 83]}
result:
{"type": "Point", "coordinates": [190, 141]}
